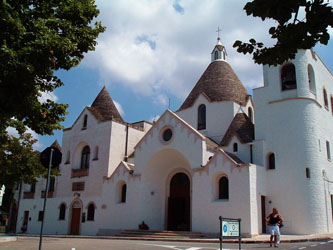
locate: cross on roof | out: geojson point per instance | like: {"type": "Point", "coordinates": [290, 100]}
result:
{"type": "Point", "coordinates": [218, 31]}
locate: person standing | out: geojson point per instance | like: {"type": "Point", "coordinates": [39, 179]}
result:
{"type": "Point", "coordinates": [274, 220]}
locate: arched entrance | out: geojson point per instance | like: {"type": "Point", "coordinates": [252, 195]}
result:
{"type": "Point", "coordinates": [76, 218]}
{"type": "Point", "coordinates": [179, 203]}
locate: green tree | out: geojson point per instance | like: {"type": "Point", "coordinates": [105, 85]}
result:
{"type": "Point", "coordinates": [300, 25]}
{"type": "Point", "coordinates": [38, 37]}
{"type": "Point", "coordinates": [19, 161]}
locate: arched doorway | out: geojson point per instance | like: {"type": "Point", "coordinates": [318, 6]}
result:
{"type": "Point", "coordinates": [76, 218]}
{"type": "Point", "coordinates": [179, 203]}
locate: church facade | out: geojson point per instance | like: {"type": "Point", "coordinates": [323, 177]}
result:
{"type": "Point", "coordinates": [222, 153]}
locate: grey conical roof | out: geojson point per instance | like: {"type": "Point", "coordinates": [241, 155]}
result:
{"type": "Point", "coordinates": [219, 83]}
{"type": "Point", "coordinates": [104, 108]}
{"type": "Point", "coordinates": [242, 127]}
{"type": "Point", "coordinates": [56, 145]}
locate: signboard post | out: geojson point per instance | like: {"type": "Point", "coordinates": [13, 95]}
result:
{"type": "Point", "coordinates": [50, 158]}
{"type": "Point", "coordinates": [230, 228]}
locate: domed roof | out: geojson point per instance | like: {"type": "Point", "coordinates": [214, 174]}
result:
{"type": "Point", "coordinates": [103, 107]}
{"type": "Point", "coordinates": [219, 83]}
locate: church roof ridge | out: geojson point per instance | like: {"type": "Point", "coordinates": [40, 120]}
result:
{"type": "Point", "coordinates": [220, 83]}
{"type": "Point", "coordinates": [104, 108]}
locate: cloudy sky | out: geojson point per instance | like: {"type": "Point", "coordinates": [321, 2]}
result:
{"type": "Point", "coordinates": [154, 51]}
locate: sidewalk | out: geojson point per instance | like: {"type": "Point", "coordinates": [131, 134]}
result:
{"type": "Point", "coordinates": [5, 238]}
{"type": "Point", "coordinates": [263, 238]}
{"type": "Point", "coordinates": [290, 238]}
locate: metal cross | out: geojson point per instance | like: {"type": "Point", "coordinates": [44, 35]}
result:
{"type": "Point", "coordinates": [218, 31]}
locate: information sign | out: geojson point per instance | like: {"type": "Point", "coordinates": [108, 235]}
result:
{"type": "Point", "coordinates": [230, 228]}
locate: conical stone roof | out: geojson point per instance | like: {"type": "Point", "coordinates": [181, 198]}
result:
{"type": "Point", "coordinates": [56, 145]}
{"type": "Point", "coordinates": [242, 127]}
{"type": "Point", "coordinates": [219, 83]}
{"type": "Point", "coordinates": [104, 108]}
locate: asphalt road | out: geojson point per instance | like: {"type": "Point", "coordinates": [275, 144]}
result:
{"type": "Point", "coordinates": [29, 243]}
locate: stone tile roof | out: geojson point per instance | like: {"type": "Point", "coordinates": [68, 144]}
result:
{"type": "Point", "coordinates": [234, 157]}
{"type": "Point", "coordinates": [219, 83]}
{"type": "Point", "coordinates": [56, 145]}
{"type": "Point", "coordinates": [103, 107]}
{"type": "Point", "coordinates": [242, 127]}
{"type": "Point", "coordinates": [210, 144]}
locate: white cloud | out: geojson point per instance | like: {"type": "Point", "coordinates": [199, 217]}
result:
{"type": "Point", "coordinates": [47, 95]}
{"type": "Point", "coordinates": [119, 107]}
{"type": "Point", "coordinates": [330, 31]}
{"type": "Point", "coordinates": [153, 49]}
{"type": "Point", "coordinates": [13, 132]}
{"type": "Point", "coordinates": [161, 100]}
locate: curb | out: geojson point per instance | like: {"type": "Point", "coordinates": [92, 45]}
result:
{"type": "Point", "coordinates": [202, 240]}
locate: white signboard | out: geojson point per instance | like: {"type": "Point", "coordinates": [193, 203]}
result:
{"type": "Point", "coordinates": [230, 228]}
{"type": "Point", "coordinates": [2, 192]}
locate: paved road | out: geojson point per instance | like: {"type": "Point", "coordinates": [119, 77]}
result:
{"type": "Point", "coordinates": [28, 243]}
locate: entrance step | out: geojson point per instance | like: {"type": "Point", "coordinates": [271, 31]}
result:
{"type": "Point", "coordinates": [159, 235]}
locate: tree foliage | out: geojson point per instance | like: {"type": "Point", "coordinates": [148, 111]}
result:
{"type": "Point", "coordinates": [38, 37]}
{"type": "Point", "coordinates": [300, 25]}
{"type": "Point", "coordinates": [20, 162]}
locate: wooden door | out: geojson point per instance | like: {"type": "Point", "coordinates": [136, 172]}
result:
{"type": "Point", "coordinates": [179, 203]}
{"type": "Point", "coordinates": [75, 224]}
{"type": "Point", "coordinates": [263, 214]}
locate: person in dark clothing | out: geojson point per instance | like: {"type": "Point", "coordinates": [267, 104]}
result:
{"type": "Point", "coordinates": [274, 221]}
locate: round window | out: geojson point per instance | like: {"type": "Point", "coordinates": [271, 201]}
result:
{"type": "Point", "coordinates": [167, 134]}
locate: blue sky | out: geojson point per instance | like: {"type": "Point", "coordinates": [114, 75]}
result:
{"type": "Point", "coordinates": [153, 51]}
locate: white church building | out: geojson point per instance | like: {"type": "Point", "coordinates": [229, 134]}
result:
{"type": "Point", "coordinates": [222, 153]}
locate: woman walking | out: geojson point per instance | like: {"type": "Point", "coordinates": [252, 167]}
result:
{"type": "Point", "coordinates": [274, 220]}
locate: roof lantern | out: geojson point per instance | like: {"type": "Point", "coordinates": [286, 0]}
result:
{"type": "Point", "coordinates": [219, 52]}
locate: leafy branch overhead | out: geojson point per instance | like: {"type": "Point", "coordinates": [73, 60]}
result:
{"type": "Point", "coordinates": [20, 162]}
{"type": "Point", "coordinates": [37, 38]}
{"type": "Point", "coordinates": [300, 25]}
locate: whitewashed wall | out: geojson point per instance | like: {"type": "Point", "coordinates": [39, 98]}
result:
{"type": "Point", "coordinates": [291, 123]}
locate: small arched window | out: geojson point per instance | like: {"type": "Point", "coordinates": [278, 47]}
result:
{"type": "Point", "coordinates": [288, 77]}
{"type": "Point", "coordinates": [85, 122]}
{"type": "Point", "coordinates": [235, 147]}
{"type": "Point", "coordinates": [202, 117]}
{"type": "Point", "coordinates": [307, 173]}
{"type": "Point", "coordinates": [123, 193]}
{"type": "Point", "coordinates": [216, 55]}
{"type": "Point", "coordinates": [62, 212]}
{"type": "Point", "coordinates": [311, 78]}
{"type": "Point", "coordinates": [96, 153]}
{"type": "Point", "coordinates": [250, 114]}
{"type": "Point", "coordinates": [223, 188]}
{"type": "Point", "coordinates": [271, 161]}
{"type": "Point", "coordinates": [91, 212]}
{"type": "Point", "coordinates": [68, 157]}
{"type": "Point", "coordinates": [85, 156]}
{"type": "Point", "coordinates": [328, 150]}
{"type": "Point", "coordinates": [325, 98]}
